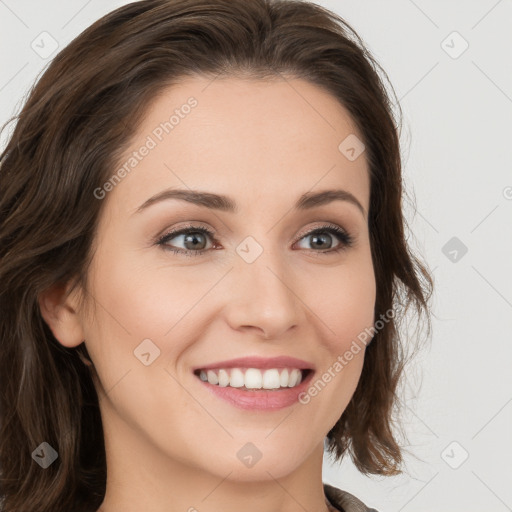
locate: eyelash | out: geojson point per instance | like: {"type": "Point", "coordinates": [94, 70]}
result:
{"type": "Point", "coordinates": [344, 238]}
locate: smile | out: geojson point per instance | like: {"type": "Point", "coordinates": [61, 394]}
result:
{"type": "Point", "coordinates": [253, 378]}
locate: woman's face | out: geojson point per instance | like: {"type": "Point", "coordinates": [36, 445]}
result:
{"type": "Point", "coordinates": [261, 286]}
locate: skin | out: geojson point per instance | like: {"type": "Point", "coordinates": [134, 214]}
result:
{"type": "Point", "coordinates": [170, 444]}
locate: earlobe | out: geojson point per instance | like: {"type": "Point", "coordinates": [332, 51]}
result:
{"type": "Point", "coordinates": [59, 311]}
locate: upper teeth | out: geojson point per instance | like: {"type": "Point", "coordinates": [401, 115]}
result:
{"type": "Point", "coordinates": [253, 378]}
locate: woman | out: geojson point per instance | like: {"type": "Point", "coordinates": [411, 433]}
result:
{"type": "Point", "coordinates": [258, 136]}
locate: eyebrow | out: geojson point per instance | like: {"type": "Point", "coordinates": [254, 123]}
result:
{"type": "Point", "coordinates": [226, 204]}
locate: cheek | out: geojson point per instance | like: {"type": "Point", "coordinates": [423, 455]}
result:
{"type": "Point", "coordinates": [345, 305]}
{"type": "Point", "coordinates": [343, 301]}
{"type": "Point", "coordinates": [145, 300]}
{"type": "Point", "coordinates": [137, 301]}
{"type": "Point", "coordinates": [347, 309]}
{"type": "Point", "coordinates": [355, 310]}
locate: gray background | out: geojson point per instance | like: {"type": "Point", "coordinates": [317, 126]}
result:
{"type": "Point", "coordinates": [456, 145]}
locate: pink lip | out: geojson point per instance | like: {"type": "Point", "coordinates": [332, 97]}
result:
{"type": "Point", "coordinates": [261, 400]}
{"type": "Point", "coordinates": [260, 362]}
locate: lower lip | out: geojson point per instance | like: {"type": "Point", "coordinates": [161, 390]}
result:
{"type": "Point", "coordinates": [263, 400]}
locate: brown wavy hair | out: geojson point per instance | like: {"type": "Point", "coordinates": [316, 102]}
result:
{"type": "Point", "coordinates": [76, 122]}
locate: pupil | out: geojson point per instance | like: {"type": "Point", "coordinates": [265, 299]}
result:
{"type": "Point", "coordinates": [193, 238]}
{"type": "Point", "coordinates": [319, 237]}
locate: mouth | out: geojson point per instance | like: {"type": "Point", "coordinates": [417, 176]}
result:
{"type": "Point", "coordinates": [254, 379]}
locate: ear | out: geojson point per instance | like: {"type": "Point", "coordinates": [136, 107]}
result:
{"type": "Point", "coordinates": [59, 311]}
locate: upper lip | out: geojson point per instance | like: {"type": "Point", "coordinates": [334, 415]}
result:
{"type": "Point", "coordinates": [259, 362]}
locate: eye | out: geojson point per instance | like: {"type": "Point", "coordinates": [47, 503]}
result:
{"type": "Point", "coordinates": [320, 237]}
{"type": "Point", "coordinates": [194, 238]}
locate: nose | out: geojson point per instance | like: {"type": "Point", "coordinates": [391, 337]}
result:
{"type": "Point", "coordinates": [262, 298]}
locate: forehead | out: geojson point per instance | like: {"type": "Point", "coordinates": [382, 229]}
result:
{"type": "Point", "coordinates": [253, 137]}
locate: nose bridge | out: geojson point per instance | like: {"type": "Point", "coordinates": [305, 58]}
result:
{"type": "Point", "coordinates": [263, 294]}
